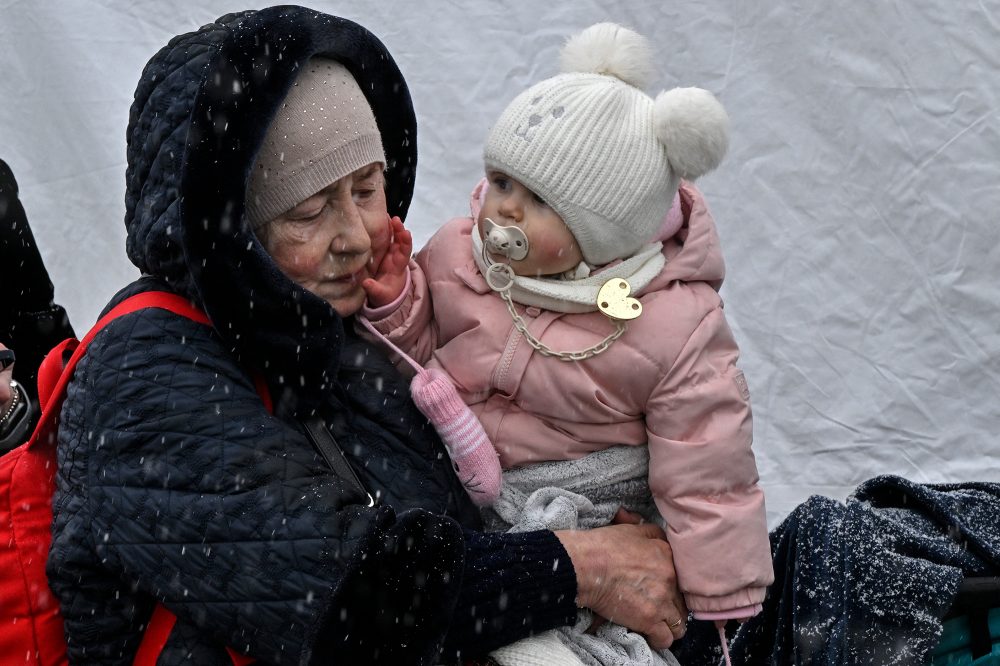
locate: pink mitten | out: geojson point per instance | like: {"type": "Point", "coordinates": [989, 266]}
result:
{"type": "Point", "coordinates": [470, 449]}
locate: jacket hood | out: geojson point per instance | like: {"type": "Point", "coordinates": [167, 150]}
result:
{"type": "Point", "coordinates": [692, 254]}
{"type": "Point", "coordinates": [201, 110]}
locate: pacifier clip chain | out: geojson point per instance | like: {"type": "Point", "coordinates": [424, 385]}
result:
{"type": "Point", "coordinates": [500, 278]}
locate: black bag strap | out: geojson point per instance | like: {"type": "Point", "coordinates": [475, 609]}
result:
{"type": "Point", "coordinates": [325, 443]}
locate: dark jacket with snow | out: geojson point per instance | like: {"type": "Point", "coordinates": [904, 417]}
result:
{"type": "Point", "coordinates": [175, 484]}
{"type": "Point", "coordinates": [865, 582]}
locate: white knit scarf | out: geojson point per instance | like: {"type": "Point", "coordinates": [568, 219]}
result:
{"type": "Point", "coordinates": [579, 295]}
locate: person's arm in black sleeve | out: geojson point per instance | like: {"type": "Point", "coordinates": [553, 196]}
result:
{"type": "Point", "coordinates": [514, 585]}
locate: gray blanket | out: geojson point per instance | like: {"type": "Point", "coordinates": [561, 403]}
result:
{"type": "Point", "coordinates": [578, 494]}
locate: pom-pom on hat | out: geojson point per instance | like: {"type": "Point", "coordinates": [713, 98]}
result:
{"type": "Point", "coordinates": [605, 155]}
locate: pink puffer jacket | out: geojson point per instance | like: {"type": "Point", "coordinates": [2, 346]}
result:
{"type": "Point", "coordinates": [671, 382]}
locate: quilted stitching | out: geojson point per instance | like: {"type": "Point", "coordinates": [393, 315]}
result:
{"type": "Point", "coordinates": [174, 483]}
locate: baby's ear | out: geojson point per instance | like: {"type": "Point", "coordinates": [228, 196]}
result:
{"type": "Point", "coordinates": [484, 185]}
{"type": "Point", "coordinates": [694, 127]}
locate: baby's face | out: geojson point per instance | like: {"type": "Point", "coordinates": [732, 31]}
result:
{"type": "Point", "coordinates": [551, 247]}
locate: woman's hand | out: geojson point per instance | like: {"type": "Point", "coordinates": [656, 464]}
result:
{"type": "Point", "coordinates": [625, 573]}
{"type": "Point", "coordinates": [389, 275]}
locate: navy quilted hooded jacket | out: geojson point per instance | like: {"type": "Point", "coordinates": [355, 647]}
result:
{"type": "Point", "coordinates": [176, 486]}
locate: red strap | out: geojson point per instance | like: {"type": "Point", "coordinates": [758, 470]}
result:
{"type": "Point", "coordinates": [263, 392]}
{"type": "Point", "coordinates": [53, 377]}
{"type": "Point", "coordinates": [51, 369]}
{"type": "Point", "coordinates": [239, 659]}
{"type": "Point", "coordinates": [160, 625]}
{"type": "Point", "coordinates": [158, 633]}
{"type": "Point", "coordinates": [162, 622]}
{"type": "Point", "coordinates": [150, 299]}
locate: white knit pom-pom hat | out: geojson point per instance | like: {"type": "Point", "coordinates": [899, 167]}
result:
{"type": "Point", "coordinates": [599, 150]}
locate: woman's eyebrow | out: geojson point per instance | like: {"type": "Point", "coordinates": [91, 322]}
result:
{"type": "Point", "coordinates": [371, 171]}
{"type": "Point", "coordinates": [322, 193]}
{"type": "Point", "coordinates": [305, 205]}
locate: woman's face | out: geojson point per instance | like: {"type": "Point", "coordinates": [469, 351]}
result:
{"type": "Point", "coordinates": [328, 243]}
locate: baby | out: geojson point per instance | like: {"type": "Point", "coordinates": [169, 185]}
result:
{"type": "Point", "coordinates": [577, 315]}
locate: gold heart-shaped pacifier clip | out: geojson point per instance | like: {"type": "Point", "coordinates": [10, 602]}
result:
{"type": "Point", "coordinates": [614, 301]}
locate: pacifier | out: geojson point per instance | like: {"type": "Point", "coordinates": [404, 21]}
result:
{"type": "Point", "coordinates": [509, 241]}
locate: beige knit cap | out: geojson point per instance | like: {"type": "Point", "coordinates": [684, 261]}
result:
{"type": "Point", "coordinates": [324, 130]}
{"type": "Point", "coordinates": [605, 155]}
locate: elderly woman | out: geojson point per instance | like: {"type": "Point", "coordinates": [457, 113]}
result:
{"type": "Point", "coordinates": [266, 152]}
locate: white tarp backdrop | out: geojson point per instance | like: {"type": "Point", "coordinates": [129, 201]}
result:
{"type": "Point", "coordinates": [858, 206]}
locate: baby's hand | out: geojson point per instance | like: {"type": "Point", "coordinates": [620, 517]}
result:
{"type": "Point", "coordinates": [389, 277]}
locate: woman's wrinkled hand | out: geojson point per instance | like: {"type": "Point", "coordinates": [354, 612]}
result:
{"type": "Point", "coordinates": [625, 573]}
{"type": "Point", "coordinates": [389, 273]}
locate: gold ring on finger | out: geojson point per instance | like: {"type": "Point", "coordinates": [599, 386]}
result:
{"type": "Point", "coordinates": [675, 624]}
